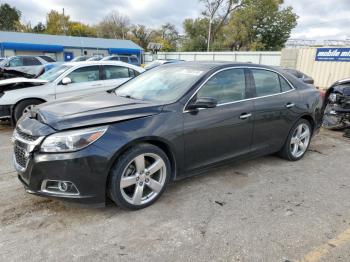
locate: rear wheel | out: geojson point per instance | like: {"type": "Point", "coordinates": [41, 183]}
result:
{"type": "Point", "coordinates": [24, 107]}
{"type": "Point", "coordinates": [297, 142]}
{"type": "Point", "coordinates": [139, 177]}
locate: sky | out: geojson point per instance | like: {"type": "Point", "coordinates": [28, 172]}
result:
{"type": "Point", "coordinates": [318, 19]}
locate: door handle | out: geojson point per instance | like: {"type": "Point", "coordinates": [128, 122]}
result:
{"type": "Point", "coordinates": [290, 105]}
{"type": "Point", "coordinates": [245, 116]}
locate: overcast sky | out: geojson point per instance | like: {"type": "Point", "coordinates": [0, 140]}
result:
{"type": "Point", "coordinates": [318, 19]}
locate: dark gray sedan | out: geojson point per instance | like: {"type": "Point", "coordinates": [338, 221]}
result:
{"type": "Point", "coordinates": [168, 123]}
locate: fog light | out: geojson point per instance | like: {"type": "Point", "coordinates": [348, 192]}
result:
{"type": "Point", "coordinates": [63, 186]}
{"type": "Point", "coordinates": [59, 187]}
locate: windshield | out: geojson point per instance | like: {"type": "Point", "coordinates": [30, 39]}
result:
{"type": "Point", "coordinates": [53, 73]}
{"type": "Point", "coordinates": [163, 84]}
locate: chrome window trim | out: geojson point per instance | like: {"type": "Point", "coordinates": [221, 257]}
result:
{"type": "Point", "coordinates": [243, 100]}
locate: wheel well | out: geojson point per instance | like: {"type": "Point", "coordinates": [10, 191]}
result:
{"type": "Point", "coordinates": [30, 98]}
{"type": "Point", "coordinates": [310, 120]}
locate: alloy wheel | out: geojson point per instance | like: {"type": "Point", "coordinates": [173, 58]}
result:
{"type": "Point", "coordinates": [27, 109]}
{"type": "Point", "coordinates": [143, 179]}
{"type": "Point", "coordinates": [300, 140]}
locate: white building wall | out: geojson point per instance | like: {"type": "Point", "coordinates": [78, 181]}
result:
{"type": "Point", "coordinates": [267, 58]}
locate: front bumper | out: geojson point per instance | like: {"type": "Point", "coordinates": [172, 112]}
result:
{"type": "Point", "coordinates": [85, 169]}
{"type": "Point", "coordinates": [5, 111]}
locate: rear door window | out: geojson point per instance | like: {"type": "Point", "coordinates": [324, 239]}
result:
{"type": "Point", "coordinates": [124, 59]}
{"type": "Point", "coordinates": [115, 72]}
{"type": "Point", "coordinates": [266, 82]}
{"type": "Point", "coordinates": [30, 61]}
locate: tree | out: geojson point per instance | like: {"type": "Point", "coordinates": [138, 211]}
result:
{"type": "Point", "coordinates": [39, 28]}
{"type": "Point", "coordinates": [80, 29]}
{"type": "Point", "coordinates": [9, 18]}
{"type": "Point", "coordinates": [260, 25]}
{"type": "Point", "coordinates": [196, 34]}
{"type": "Point", "coordinates": [168, 36]}
{"type": "Point", "coordinates": [141, 35]}
{"type": "Point", "coordinates": [114, 25]}
{"type": "Point", "coordinates": [56, 23]}
{"type": "Point", "coordinates": [218, 11]}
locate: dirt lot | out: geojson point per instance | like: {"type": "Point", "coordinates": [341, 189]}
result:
{"type": "Point", "coordinates": [262, 210]}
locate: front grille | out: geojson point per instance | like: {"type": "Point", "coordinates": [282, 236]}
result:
{"type": "Point", "coordinates": [25, 136]}
{"type": "Point", "coordinates": [21, 156]}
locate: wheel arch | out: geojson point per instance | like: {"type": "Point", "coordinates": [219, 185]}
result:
{"type": "Point", "coordinates": [23, 99]}
{"type": "Point", "coordinates": [156, 141]}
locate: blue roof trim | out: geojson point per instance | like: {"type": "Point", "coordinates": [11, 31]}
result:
{"type": "Point", "coordinates": [124, 51]}
{"type": "Point", "coordinates": [32, 47]}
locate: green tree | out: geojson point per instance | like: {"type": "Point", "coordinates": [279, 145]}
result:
{"type": "Point", "coordinates": [260, 25]}
{"type": "Point", "coordinates": [9, 18]}
{"type": "Point", "coordinates": [196, 31]}
{"type": "Point", "coordinates": [141, 35]}
{"type": "Point", "coordinates": [168, 36]}
{"type": "Point", "coordinates": [80, 29]}
{"type": "Point", "coordinates": [39, 28]}
{"type": "Point", "coordinates": [57, 23]}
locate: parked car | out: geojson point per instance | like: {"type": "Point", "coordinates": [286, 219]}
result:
{"type": "Point", "coordinates": [127, 59]}
{"type": "Point", "coordinates": [337, 106]}
{"type": "Point", "coordinates": [19, 95]}
{"type": "Point", "coordinates": [168, 123]}
{"type": "Point", "coordinates": [80, 58]}
{"type": "Point", "coordinates": [159, 62]}
{"type": "Point", "coordinates": [31, 65]}
{"type": "Point", "coordinates": [95, 58]}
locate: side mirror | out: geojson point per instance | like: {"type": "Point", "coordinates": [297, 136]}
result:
{"type": "Point", "coordinates": [66, 81]}
{"type": "Point", "coordinates": [308, 80]}
{"type": "Point", "coordinates": [203, 102]}
{"type": "Point", "coordinates": [7, 64]}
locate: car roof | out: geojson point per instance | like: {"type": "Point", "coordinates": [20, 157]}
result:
{"type": "Point", "coordinates": [108, 62]}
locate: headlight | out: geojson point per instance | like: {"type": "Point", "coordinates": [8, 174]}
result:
{"type": "Point", "coordinates": [72, 140]}
{"type": "Point", "coordinates": [332, 97]}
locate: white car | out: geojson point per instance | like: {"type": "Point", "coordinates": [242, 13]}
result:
{"type": "Point", "coordinates": [18, 95]}
{"type": "Point", "coordinates": [32, 65]}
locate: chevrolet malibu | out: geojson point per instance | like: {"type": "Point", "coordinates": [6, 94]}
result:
{"type": "Point", "coordinates": [175, 121]}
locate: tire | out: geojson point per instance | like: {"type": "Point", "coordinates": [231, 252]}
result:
{"type": "Point", "coordinates": [133, 185]}
{"type": "Point", "coordinates": [295, 139]}
{"type": "Point", "coordinates": [22, 106]}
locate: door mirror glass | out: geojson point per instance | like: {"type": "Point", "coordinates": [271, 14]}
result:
{"type": "Point", "coordinates": [66, 81]}
{"type": "Point", "coordinates": [203, 102]}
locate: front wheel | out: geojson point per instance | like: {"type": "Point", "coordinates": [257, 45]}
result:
{"type": "Point", "coordinates": [297, 142]}
{"type": "Point", "coordinates": [139, 177]}
{"type": "Point", "coordinates": [24, 107]}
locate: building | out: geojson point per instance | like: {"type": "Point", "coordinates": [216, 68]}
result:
{"type": "Point", "coordinates": [63, 48]}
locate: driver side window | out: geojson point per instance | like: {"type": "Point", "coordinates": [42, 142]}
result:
{"type": "Point", "coordinates": [226, 86]}
{"type": "Point", "coordinates": [85, 74]}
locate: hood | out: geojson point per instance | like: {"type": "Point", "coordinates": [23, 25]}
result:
{"type": "Point", "coordinates": [19, 82]}
{"type": "Point", "coordinates": [94, 109]}
{"type": "Point", "coordinates": [11, 73]}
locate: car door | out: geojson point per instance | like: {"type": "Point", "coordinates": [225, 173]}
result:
{"type": "Point", "coordinates": [84, 80]}
{"type": "Point", "coordinates": [216, 134]}
{"type": "Point", "coordinates": [32, 65]}
{"type": "Point", "coordinates": [115, 75]}
{"type": "Point", "coordinates": [275, 109]}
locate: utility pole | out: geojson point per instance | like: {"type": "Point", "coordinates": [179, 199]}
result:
{"type": "Point", "coordinates": [209, 32]}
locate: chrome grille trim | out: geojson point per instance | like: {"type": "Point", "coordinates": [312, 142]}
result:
{"type": "Point", "coordinates": [24, 145]}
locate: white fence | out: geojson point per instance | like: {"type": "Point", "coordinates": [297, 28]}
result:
{"type": "Point", "coordinates": [267, 58]}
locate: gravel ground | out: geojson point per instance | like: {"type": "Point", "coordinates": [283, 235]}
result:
{"type": "Point", "coordinates": [266, 209]}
